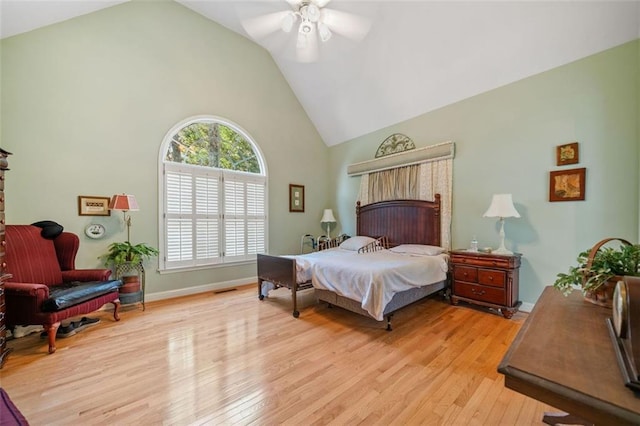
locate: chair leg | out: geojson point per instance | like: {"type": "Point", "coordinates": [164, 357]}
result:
{"type": "Point", "coordinates": [51, 330]}
{"type": "Point", "coordinates": [116, 306]}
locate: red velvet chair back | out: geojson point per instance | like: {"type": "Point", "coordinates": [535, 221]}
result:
{"type": "Point", "coordinates": [67, 245]}
{"type": "Point", "coordinates": [31, 258]}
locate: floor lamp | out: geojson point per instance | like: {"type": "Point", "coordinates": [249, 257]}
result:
{"type": "Point", "coordinates": [126, 203]}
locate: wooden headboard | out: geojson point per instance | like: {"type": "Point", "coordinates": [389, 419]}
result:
{"type": "Point", "coordinates": [402, 221]}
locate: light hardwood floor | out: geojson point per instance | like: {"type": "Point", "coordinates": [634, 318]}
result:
{"type": "Point", "coordinates": [228, 358]}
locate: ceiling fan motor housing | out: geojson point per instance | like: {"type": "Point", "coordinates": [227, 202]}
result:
{"type": "Point", "coordinates": [310, 12]}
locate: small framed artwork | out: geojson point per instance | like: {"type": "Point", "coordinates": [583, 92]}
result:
{"type": "Point", "coordinates": [88, 205]}
{"type": "Point", "coordinates": [567, 154]}
{"type": "Point", "coordinates": [567, 185]}
{"type": "Point", "coordinates": [296, 198]}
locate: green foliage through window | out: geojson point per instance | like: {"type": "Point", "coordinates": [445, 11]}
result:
{"type": "Point", "coordinates": [212, 144]}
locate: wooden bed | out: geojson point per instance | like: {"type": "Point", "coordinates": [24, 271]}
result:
{"type": "Point", "coordinates": [401, 221]}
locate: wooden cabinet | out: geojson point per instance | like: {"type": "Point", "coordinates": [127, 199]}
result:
{"type": "Point", "coordinates": [3, 276]}
{"type": "Point", "coordinates": [486, 279]}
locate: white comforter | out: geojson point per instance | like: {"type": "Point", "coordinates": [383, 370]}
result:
{"type": "Point", "coordinates": [304, 262]}
{"type": "Point", "coordinates": [373, 278]}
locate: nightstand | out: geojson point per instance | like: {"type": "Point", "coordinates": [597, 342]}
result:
{"type": "Point", "coordinates": [486, 279]}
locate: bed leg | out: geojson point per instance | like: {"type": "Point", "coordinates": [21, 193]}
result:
{"type": "Point", "coordinates": [260, 295]}
{"type": "Point", "coordinates": [389, 322]}
{"type": "Point", "coordinates": [294, 292]}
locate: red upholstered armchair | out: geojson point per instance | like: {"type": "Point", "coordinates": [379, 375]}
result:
{"type": "Point", "coordinates": [45, 287]}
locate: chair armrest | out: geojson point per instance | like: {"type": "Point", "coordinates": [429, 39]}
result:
{"type": "Point", "coordinates": [40, 291]}
{"type": "Point", "coordinates": [83, 275]}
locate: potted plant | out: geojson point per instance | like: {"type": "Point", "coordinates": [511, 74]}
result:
{"type": "Point", "coordinates": [127, 257]}
{"type": "Point", "coordinates": [599, 268]}
{"type": "Point", "coordinates": [122, 253]}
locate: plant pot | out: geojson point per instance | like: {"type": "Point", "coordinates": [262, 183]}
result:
{"type": "Point", "coordinates": [603, 295]}
{"type": "Point", "coordinates": [130, 284]}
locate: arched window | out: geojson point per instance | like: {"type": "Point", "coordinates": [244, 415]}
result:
{"type": "Point", "coordinates": [213, 195]}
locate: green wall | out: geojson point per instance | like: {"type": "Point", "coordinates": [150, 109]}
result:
{"type": "Point", "coordinates": [505, 142]}
{"type": "Point", "coordinates": [87, 102]}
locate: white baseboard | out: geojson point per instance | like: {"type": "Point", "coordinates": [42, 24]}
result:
{"type": "Point", "coordinates": [225, 285]}
{"type": "Point", "coordinates": [526, 307]}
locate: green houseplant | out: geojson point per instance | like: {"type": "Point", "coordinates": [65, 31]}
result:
{"type": "Point", "coordinates": [122, 253]}
{"type": "Point", "coordinates": [598, 267]}
{"type": "Point", "coordinates": [126, 259]}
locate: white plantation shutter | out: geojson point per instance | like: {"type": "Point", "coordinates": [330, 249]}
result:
{"type": "Point", "coordinates": [213, 215]}
{"type": "Point", "coordinates": [179, 229]}
{"type": "Point", "coordinates": [256, 217]}
{"type": "Point", "coordinates": [244, 218]}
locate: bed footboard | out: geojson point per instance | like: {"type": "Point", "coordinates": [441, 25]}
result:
{"type": "Point", "coordinates": [281, 272]}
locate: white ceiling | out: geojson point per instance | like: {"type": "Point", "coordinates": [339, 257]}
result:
{"type": "Point", "coordinates": [417, 56]}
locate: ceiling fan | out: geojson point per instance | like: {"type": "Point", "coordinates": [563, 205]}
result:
{"type": "Point", "coordinates": [310, 22]}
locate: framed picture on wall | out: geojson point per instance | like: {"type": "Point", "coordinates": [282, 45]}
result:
{"type": "Point", "coordinates": [567, 185]}
{"type": "Point", "coordinates": [296, 198]}
{"type": "Point", "coordinates": [89, 205]}
{"type": "Point", "coordinates": [567, 154]}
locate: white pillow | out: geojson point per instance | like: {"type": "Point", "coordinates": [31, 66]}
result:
{"type": "Point", "coordinates": [420, 249]}
{"type": "Point", "coordinates": [356, 243]}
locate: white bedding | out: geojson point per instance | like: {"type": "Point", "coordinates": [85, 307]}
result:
{"type": "Point", "coordinates": [373, 278]}
{"type": "Point", "coordinates": [304, 262]}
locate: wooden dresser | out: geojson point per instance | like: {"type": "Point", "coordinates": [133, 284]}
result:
{"type": "Point", "coordinates": [563, 356]}
{"type": "Point", "coordinates": [3, 276]}
{"type": "Point", "coordinates": [486, 279]}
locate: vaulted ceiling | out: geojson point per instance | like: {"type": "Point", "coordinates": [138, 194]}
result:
{"type": "Point", "coordinates": [416, 56]}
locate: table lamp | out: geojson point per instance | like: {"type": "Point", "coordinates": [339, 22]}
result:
{"type": "Point", "coordinates": [327, 217]}
{"type": "Point", "coordinates": [501, 206]}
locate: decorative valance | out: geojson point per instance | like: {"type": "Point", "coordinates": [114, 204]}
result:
{"type": "Point", "coordinates": [436, 152]}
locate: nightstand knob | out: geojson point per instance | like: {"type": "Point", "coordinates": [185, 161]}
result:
{"type": "Point", "coordinates": [490, 278]}
{"type": "Point", "coordinates": [465, 274]}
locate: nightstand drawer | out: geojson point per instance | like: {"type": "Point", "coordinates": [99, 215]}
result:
{"type": "Point", "coordinates": [483, 260]}
{"type": "Point", "coordinates": [492, 277]}
{"type": "Point", "coordinates": [466, 274]}
{"type": "Point", "coordinates": [479, 292]}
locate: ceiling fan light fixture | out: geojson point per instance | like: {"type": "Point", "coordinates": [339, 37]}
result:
{"type": "Point", "coordinates": [301, 43]}
{"type": "Point", "coordinates": [324, 32]}
{"type": "Point", "coordinates": [288, 21]}
{"type": "Point", "coordinates": [305, 28]}
{"type": "Point", "coordinates": [311, 12]}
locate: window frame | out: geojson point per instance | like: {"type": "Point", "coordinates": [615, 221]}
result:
{"type": "Point", "coordinates": [162, 208]}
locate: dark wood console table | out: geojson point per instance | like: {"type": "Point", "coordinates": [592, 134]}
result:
{"type": "Point", "coordinates": [563, 356]}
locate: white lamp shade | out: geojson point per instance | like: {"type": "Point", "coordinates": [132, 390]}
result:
{"type": "Point", "coordinates": [501, 206]}
{"type": "Point", "coordinates": [288, 21]}
{"type": "Point", "coordinates": [327, 216]}
{"type": "Point", "coordinates": [324, 31]}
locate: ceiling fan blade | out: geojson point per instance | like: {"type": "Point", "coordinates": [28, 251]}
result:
{"type": "Point", "coordinates": [346, 24]}
{"type": "Point", "coordinates": [261, 26]}
{"type": "Point", "coordinates": [321, 3]}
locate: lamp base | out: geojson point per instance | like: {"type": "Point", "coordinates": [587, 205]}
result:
{"type": "Point", "coordinates": [502, 250]}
